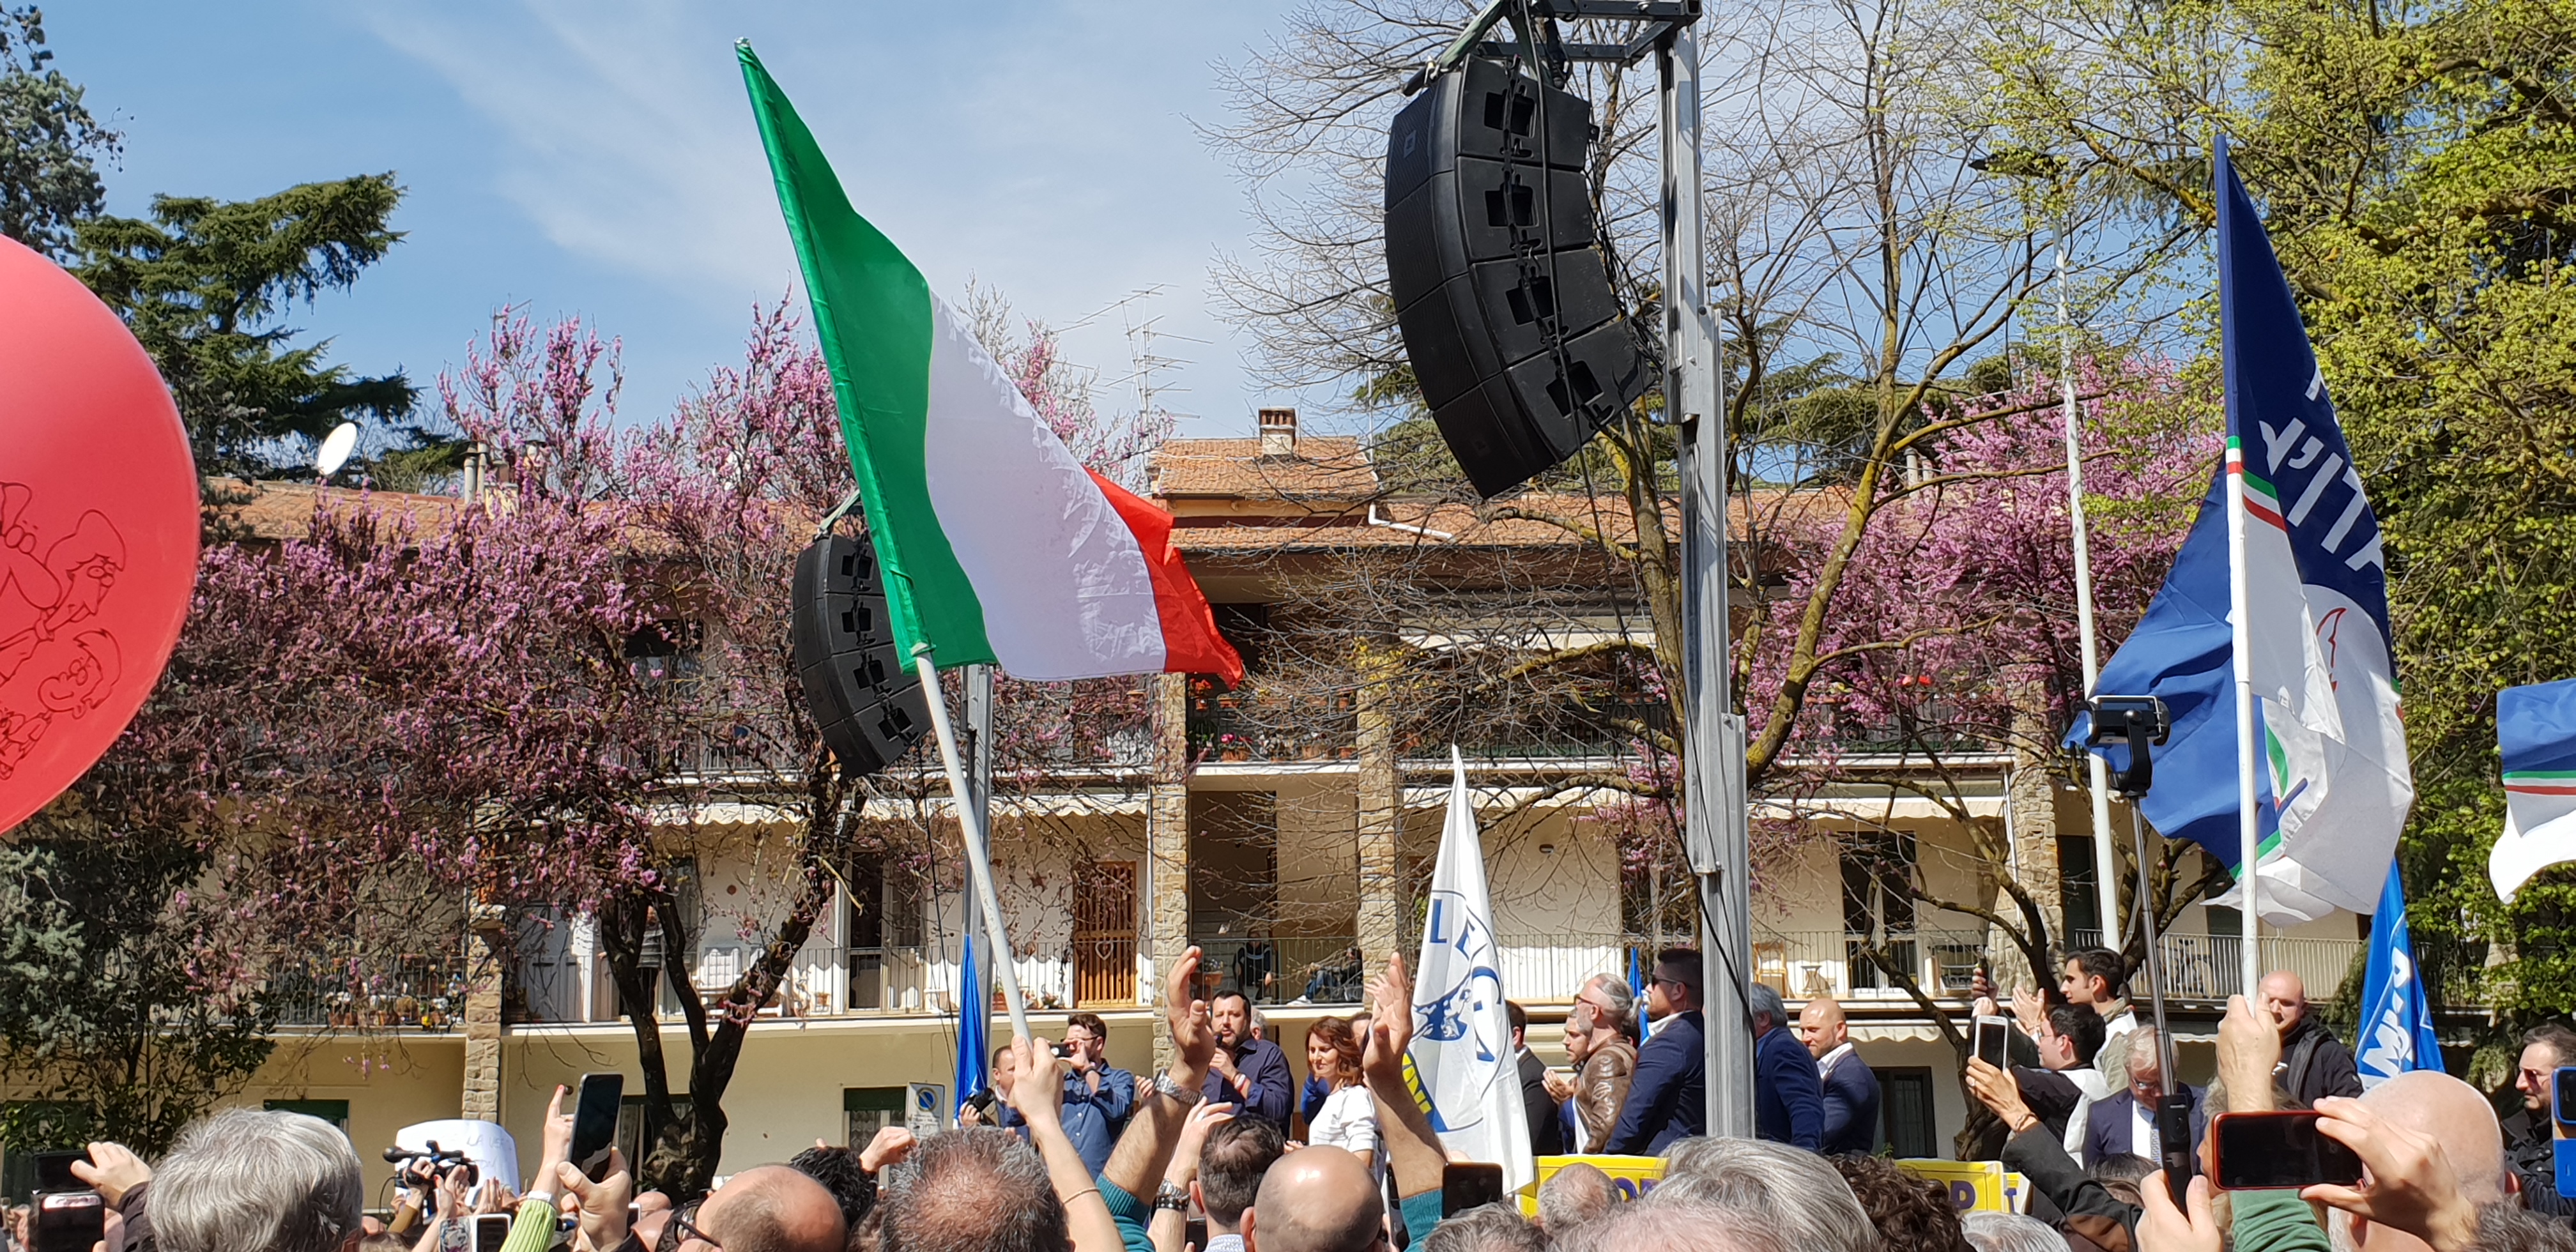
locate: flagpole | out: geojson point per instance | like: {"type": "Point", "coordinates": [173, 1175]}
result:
{"type": "Point", "coordinates": [979, 853]}
{"type": "Point", "coordinates": [2106, 883]}
{"type": "Point", "coordinates": [2241, 628]}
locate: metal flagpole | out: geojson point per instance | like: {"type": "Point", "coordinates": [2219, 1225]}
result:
{"type": "Point", "coordinates": [978, 750]}
{"type": "Point", "coordinates": [979, 853]}
{"type": "Point", "coordinates": [2248, 882]}
{"type": "Point", "coordinates": [1715, 822]}
{"type": "Point", "coordinates": [2106, 882]}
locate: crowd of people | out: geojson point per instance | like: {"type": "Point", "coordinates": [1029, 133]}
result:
{"type": "Point", "coordinates": [1087, 1158]}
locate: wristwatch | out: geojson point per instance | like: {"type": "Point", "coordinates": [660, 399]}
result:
{"type": "Point", "coordinates": [1173, 1196]}
{"type": "Point", "coordinates": [1175, 1092]}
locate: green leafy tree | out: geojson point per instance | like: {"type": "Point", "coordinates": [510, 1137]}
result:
{"type": "Point", "coordinates": [50, 145]}
{"type": "Point", "coordinates": [120, 1016]}
{"type": "Point", "coordinates": [204, 284]}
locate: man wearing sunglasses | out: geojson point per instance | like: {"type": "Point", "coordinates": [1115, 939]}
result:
{"type": "Point", "coordinates": [1597, 1031]}
{"type": "Point", "coordinates": [1668, 1097]}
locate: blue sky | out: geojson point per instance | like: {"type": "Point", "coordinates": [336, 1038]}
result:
{"type": "Point", "coordinates": [595, 158]}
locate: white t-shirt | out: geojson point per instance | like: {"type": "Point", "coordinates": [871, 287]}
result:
{"type": "Point", "coordinates": [1348, 1120]}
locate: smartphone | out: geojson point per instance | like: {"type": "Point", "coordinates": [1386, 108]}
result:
{"type": "Point", "coordinates": [1994, 1037]}
{"type": "Point", "coordinates": [2562, 1102]}
{"type": "Point", "coordinates": [1467, 1184]}
{"type": "Point", "coordinates": [2260, 1150]}
{"type": "Point", "coordinates": [491, 1230]}
{"type": "Point", "coordinates": [594, 1123]}
{"type": "Point", "coordinates": [54, 1171]}
{"type": "Point", "coordinates": [67, 1221]}
{"type": "Point", "coordinates": [2173, 1144]}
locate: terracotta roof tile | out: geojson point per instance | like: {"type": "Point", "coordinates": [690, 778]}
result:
{"type": "Point", "coordinates": [1325, 467]}
{"type": "Point", "coordinates": [276, 512]}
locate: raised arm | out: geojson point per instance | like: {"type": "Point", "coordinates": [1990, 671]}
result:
{"type": "Point", "coordinates": [1413, 1151]}
{"type": "Point", "coordinates": [1037, 1081]}
{"type": "Point", "coordinates": [1142, 1153]}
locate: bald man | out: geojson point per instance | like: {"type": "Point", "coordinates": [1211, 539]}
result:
{"type": "Point", "coordinates": [2314, 1064]}
{"type": "Point", "coordinates": [1851, 1087]}
{"type": "Point", "coordinates": [2451, 1113]}
{"type": "Point", "coordinates": [1317, 1199]}
{"type": "Point", "coordinates": [772, 1208]}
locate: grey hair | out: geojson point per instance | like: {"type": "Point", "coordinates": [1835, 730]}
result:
{"type": "Point", "coordinates": [1623, 1002]}
{"type": "Point", "coordinates": [1989, 1231]}
{"type": "Point", "coordinates": [1485, 1228]}
{"type": "Point", "coordinates": [1793, 1197]}
{"type": "Point", "coordinates": [244, 1180]}
{"type": "Point", "coordinates": [975, 1190]}
{"type": "Point", "coordinates": [1661, 1223]}
{"type": "Point", "coordinates": [1761, 1001]}
{"type": "Point", "coordinates": [1574, 1195]}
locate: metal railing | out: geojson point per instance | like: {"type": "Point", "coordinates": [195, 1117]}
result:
{"type": "Point", "coordinates": [368, 993]}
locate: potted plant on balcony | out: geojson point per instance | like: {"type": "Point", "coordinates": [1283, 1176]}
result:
{"type": "Point", "coordinates": [1233, 747]}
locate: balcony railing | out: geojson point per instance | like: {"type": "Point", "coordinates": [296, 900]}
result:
{"type": "Point", "coordinates": [369, 993]}
{"type": "Point", "coordinates": [2196, 967]}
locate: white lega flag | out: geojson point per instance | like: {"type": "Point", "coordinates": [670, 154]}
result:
{"type": "Point", "coordinates": [1462, 1036]}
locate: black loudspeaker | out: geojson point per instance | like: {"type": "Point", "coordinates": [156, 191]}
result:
{"type": "Point", "coordinates": [1517, 341]}
{"type": "Point", "coordinates": [868, 702]}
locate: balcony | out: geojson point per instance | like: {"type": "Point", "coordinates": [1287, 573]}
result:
{"type": "Point", "coordinates": [369, 993]}
{"type": "Point", "coordinates": [2200, 968]}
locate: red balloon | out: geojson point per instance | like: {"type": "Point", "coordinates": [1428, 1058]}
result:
{"type": "Point", "coordinates": [98, 529]}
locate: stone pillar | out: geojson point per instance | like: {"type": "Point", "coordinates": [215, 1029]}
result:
{"type": "Point", "coordinates": [2030, 802]}
{"type": "Point", "coordinates": [486, 949]}
{"type": "Point", "coordinates": [1380, 798]}
{"type": "Point", "coordinates": [1167, 840]}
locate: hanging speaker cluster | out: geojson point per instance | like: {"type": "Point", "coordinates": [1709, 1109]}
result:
{"type": "Point", "coordinates": [1519, 345]}
{"type": "Point", "coordinates": [868, 702]}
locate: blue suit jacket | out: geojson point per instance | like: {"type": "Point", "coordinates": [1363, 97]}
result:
{"type": "Point", "coordinates": [1271, 1087]}
{"type": "Point", "coordinates": [2106, 1129]}
{"type": "Point", "coordinates": [1851, 1108]}
{"type": "Point", "coordinates": [1668, 1095]}
{"type": "Point", "coordinates": [1788, 1097]}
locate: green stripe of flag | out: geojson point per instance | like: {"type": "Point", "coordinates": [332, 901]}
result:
{"type": "Point", "coordinates": [2537, 775]}
{"type": "Point", "coordinates": [872, 318]}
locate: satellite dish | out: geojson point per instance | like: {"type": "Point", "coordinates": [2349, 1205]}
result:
{"type": "Point", "coordinates": [335, 449]}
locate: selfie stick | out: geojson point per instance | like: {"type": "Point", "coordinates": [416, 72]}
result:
{"type": "Point", "coordinates": [2140, 723]}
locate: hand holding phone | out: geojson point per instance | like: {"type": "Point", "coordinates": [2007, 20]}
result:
{"type": "Point", "coordinates": [1994, 1038]}
{"type": "Point", "coordinates": [2285, 1149]}
{"type": "Point", "coordinates": [594, 1123]}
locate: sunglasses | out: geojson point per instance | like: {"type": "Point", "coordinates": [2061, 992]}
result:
{"type": "Point", "coordinates": [683, 1227]}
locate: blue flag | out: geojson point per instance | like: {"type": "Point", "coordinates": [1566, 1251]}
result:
{"type": "Point", "coordinates": [2396, 1023]}
{"type": "Point", "coordinates": [2332, 785]}
{"type": "Point", "coordinates": [2536, 733]}
{"type": "Point", "coordinates": [974, 1008]}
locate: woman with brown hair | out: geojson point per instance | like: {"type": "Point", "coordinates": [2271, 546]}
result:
{"type": "Point", "coordinates": [1348, 1119]}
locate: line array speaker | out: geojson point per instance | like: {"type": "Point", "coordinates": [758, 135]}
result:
{"type": "Point", "coordinates": [868, 702]}
{"type": "Point", "coordinates": [1518, 342]}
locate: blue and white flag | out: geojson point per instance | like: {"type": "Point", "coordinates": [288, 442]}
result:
{"type": "Point", "coordinates": [2333, 785]}
{"type": "Point", "coordinates": [974, 1009]}
{"type": "Point", "coordinates": [1462, 1034]}
{"type": "Point", "coordinates": [2536, 729]}
{"type": "Point", "coordinates": [2396, 1022]}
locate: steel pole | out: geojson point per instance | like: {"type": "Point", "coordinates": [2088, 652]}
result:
{"type": "Point", "coordinates": [1715, 832]}
{"type": "Point", "coordinates": [2106, 880]}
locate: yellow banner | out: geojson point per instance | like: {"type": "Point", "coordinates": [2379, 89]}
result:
{"type": "Point", "coordinates": [1975, 1184]}
{"type": "Point", "coordinates": [1630, 1176]}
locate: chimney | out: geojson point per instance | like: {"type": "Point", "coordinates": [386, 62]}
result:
{"type": "Point", "coordinates": [1278, 432]}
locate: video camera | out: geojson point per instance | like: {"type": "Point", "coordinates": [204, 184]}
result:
{"type": "Point", "coordinates": [67, 1214]}
{"type": "Point", "coordinates": [422, 1168]}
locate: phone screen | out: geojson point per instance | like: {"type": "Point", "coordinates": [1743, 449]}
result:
{"type": "Point", "coordinates": [491, 1230]}
{"type": "Point", "coordinates": [1992, 1038]}
{"type": "Point", "coordinates": [1465, 1185]}
{"type": "Point", "coordinates": [2564, 1103]}
{"type": "Point", "coordinates": [594, 1122]}
{"type": "Point", "coordinates": [54, 1171]}
{"type": "Point", "coordinates": [69, 1222]}
{"type": "Point", "coordinates": [2260, 1150]}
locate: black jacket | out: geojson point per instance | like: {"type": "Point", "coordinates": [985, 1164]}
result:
{"type": "Point", "coordinates": [2315, 1064]}
{"type": "Point", "coordinates": [1546, 1126]}
{"type": "Point", "coordinates": [2086, 1207]}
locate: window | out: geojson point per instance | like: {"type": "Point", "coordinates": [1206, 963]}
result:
{"type": "Point", "coordinates": [632, 1132]}
{"type": "Point", "coordinates": [335, 1112]}
{"type": "Point", "coordinates": [867, 1110]}
{"type": "Point", "coordinates": [1878, 904]}
{"type": "Point", "coordinates": [2079, 891]}
{"type": "Point", "coordinates": [1905, 1107]}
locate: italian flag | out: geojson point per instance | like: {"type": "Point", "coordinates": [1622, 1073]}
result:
{"type": "Point", "coordinates": [997, 545]}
